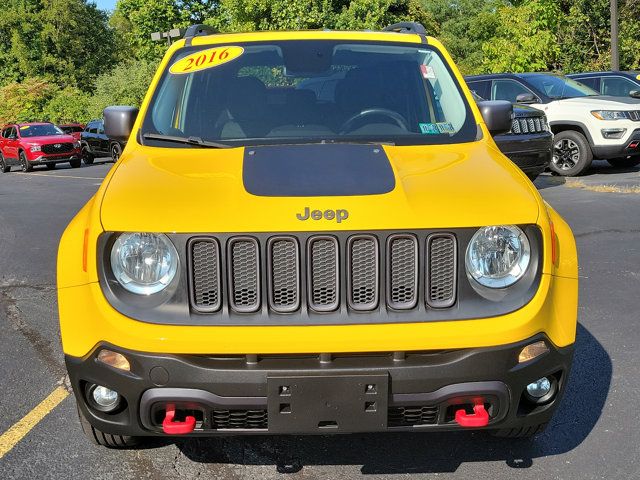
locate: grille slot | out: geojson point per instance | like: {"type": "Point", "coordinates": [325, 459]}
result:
{"type": "Point", "coordinates": [363, 272]}
{"type": "Point", "coordinates": [239, 419]}
{"type": "Point", "coordinates": [323, 276]}
{"type": "Point", "coordinates": [522, 126]}
{"type": "Point", "coordinates": [441, 270]}
{"type": "Point", "coordinates": [205, 275]}
{"type": "Point", "coordinates": [412, 415]}
{"type": "Point", "coordinates": [244, 274]}
{"type": "Point", "coordinates": [52, 149]}
{"type": "Point", "coordinates": [402, 268]}
{"type": "Point", "coordinates": [284, 268]}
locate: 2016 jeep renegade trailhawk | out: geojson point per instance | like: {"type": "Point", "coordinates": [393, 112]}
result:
{"type": "Point", "coordinates": [313, 232]}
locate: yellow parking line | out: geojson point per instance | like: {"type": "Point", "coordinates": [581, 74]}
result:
{"type": "Point", "coordinates": [17, 432]}
{"type": "Point", "coordinates": [58, 176]}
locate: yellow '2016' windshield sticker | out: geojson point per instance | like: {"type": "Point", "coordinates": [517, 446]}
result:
{"type": "Point", "coordinates": [212, 57]}
{"type": "Point", "coordinates": [24, 127]}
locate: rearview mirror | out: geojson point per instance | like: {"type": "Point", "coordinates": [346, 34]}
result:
{"type": "Point", "coordinates": [526, 98]}
{"type": "Point", "coordinates": [119, 121]}
{"type": "Point", "coordinates": [634, 94]}
{"type": "Point", "coordinates": [497, 115]}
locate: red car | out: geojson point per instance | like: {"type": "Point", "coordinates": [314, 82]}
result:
{"type": "Point", "coordinates": [73, 129]}
{"type": "Point", "coordinates": [29, 144]}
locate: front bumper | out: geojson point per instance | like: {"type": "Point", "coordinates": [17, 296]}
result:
{"type": "Point", "coordinates": [327, 394]}
{"type": "Point", "coordinates": [532, 153]}
{"type": "Point", "coordinates": [44, 159]}
{"type": "Point", "coordinates": [630, 147]}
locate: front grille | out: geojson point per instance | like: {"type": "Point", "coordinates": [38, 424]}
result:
{"type": "Point", "coordinates": [412, 415]}
{"type": "Point", "coordinates": [634, 115]}
{"type": "Point", "coordinates": [441, 271]}
{"type": "Point", "coordinates": [527, 125]}
{"type": "Point", "coordinates": [239, 419]}
{"type": "Point", "coordinates": [53, 148]}
{"type": "Point", "coordinates": [323, 285]}
{"type": "Point", "coordinates": [319, 273]}
{"type": "Point", "coordinates": [402, 278]}
{"type": "Point", "coordinates": [244, 276]}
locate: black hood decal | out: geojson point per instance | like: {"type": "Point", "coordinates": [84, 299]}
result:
{"type": "Point", "coordinates": [317, 170]}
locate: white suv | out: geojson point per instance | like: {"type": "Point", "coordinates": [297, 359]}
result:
{"type": "Point", "coordinates": [585, 123]}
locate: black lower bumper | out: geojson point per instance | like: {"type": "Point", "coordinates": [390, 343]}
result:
{"type": "Point", "coordinates": [629, 148]}
{"type": "Point", "coordinates": [54, 159]}
{"type": "Point", "coordinates": [307, 394]}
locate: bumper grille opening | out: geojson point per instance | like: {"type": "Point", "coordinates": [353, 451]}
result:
{"type": "Point", "coordinates": [239, 419]}
{"type": "Point", "coordinates": [412, 415]}
{"type": "Point", "coordinates": [54, 148]}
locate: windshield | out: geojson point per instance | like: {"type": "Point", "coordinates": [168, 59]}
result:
{"type": "Point", "coordinates": [560, 87]}
{"type": "Point", "coordinates": [309, 91]}
{"type": "Point", "coordinates": [39, 130]}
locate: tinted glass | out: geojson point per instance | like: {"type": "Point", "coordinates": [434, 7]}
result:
{"type": "Point", "coordinates": [40, 130]}
{"type": "Point", "coordinates": [312, 91]}
{"type": "Point", "coordinates": [507, 90]}
{"type": "Point", "coordinates": [481, 88]}
{"type": "Point", "coordinates": [618, 86]}
{"type": "Point", "coordinates": [591, 82]}
{"type": "Point", "coordinates": [558, 87]}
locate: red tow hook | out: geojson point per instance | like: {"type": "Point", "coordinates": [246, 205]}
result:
{"type": "Point", "coordinates": [480, 417]}
{"type": "Point", "coordinates": [170, 427]}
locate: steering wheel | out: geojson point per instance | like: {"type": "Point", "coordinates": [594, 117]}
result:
{"type": "Point", "coordinates": [395, 116]}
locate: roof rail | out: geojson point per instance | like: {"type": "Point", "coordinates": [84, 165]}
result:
{"type": "Point", "coordinates": [199, 30]}
{"type": "Point", "coordinates": [406, 27]}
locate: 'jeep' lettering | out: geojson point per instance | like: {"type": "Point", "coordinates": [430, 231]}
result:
{"type": "Point", "coordinates": [337, 215]}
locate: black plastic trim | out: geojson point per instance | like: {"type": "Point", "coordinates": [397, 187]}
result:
{"type": "Point", "coordinates": [349, 275]}
{"type": "Point", "coordinates": [452, 301]}
{"type": "Point", "coordinates": [333, 306]}
{"type": "Point", "coordinates": [230, 275]}
{"type": "Point", "coordinates": [272, 304]}
{"type": "Point", "coordinates": [190, 276]}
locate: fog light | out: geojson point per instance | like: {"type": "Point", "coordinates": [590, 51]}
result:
{"type": "Point", "coordinates": [114, 359]}
{"type": "Point", "coordinates": [532, 351]}
{"type": "Point", "coordinates": [539, 388]}
{"type": "Point", "coordinates": [106, 398]}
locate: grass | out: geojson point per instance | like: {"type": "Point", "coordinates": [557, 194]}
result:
{"type": "Point", "coordinates": [572, 183]}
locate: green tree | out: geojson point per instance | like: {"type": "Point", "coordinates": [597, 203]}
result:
{"type": "Point", "coordinates": [25, 101]}
{"type": "Point", "coordinates": [67, 105]}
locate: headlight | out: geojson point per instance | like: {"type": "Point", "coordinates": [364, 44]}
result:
{"type": "Point", "coordinates": [35, 148]}
{"type": "Point", "coordinates": [610, 114]}
{"type": "Point", "coordinates": [76, 144]}
{"type": "Point", "coordinates": [498, 257]}
{"type": "Point", "coordinates": [144, 263]}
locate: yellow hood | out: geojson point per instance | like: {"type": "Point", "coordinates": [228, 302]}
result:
{"type": "Point", "coordinates": [202, 190]}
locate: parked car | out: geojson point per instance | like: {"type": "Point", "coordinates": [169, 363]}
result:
{"type": "Point", "coordinates": [585, 123]}
{"type": "Point", "coordinates": [616, 84]}
{"type": "Point", "coordinates": [529, 143]}
{"type": "Point", "coordinates": [73, 129]}
{"type": "Point", "coordinates": [96, 144]}
{"type": "Point", "coordinates": [30, 144]}
{"type": "Point", "coordinates": [264, 262]}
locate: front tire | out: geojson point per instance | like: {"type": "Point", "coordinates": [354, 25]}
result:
{"type": "Point", "coordinates": [87, 156]}
{"type": "Point", "coordinates": [25, 164]}
{"type": "Point", "coordinates": [624, 162]}
{"type": "Point", "coordinates": [4, 168]}
{"type": "Point", "coordinates": [75, 163]}
{"type": "Point", "coordinates": [572, 154]}
{"type": "Point", "coordinates": [116, 151]}
{"type": "Point", "coordinates": [98, 437]}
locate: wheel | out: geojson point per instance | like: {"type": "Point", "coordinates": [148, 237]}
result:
{"type": "Point", "coordinates": [26, 165]}
{"type": "Point", "coordinates": [116, 151]}
{"type": "Point", "coordinates": [523, 432]}
{"type": "Point", "coordinates": [51, 166]}
{"type": "Point", "coordinates": [75, 163]}
{"type": "Point", "coordinates": [571, 154]}
{"type": "Point", "coordinates": [97, 437]}
{"type": "Point", "coordinates": [87, 156]}
{"type": "Point", "coordinates": [4, 168]}
{"type": "Point", "coordinates": [624, 162]}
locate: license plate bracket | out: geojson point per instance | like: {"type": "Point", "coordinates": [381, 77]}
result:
{"type": "Point", "coordinates": [327, 403]}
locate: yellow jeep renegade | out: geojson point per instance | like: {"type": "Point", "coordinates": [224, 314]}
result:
{"type": "Point", "coordinates": [314, 232]}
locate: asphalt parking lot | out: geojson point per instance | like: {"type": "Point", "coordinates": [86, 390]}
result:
{"type": "Point", "coordinates": [595, 433]}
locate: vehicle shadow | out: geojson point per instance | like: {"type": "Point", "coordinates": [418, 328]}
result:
{"type": "Point", "coordinates": [602, 167]}
{"type": "Point", "coordinates": [386, 454]}
{"type": "Point", "coordinates": [548, 181]}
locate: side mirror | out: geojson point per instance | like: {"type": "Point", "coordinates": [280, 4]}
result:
{"type": "Point", "coordinates": [118, 122]}
{"type": "Point", "coordinates": [497, 115]}
{"type": "Point", "coordinates": [526, 98]}
{"type": "Point", "coordinates": [634, 94]}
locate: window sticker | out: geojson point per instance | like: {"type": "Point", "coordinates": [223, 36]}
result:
{"type": "Point", "coordinates": [210, 58]}
{"type": "Point", "coordinates": [24, 127]}
{"type": "Point", "coordinates": [436, 128]}
{"type": "Point", "coordinates": [428, 73]}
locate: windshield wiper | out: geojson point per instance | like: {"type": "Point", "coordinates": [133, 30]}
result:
{"type": "Point", "coordinates": [197, 141]}
{"type": "Point", "coordinates": [353, 142]}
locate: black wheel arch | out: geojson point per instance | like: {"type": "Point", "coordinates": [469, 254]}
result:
{"type": "Point", "coordinates": [562, 126]}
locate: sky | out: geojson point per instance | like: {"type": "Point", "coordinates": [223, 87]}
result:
{"type": "Point", "coordinates": [106, 4]}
